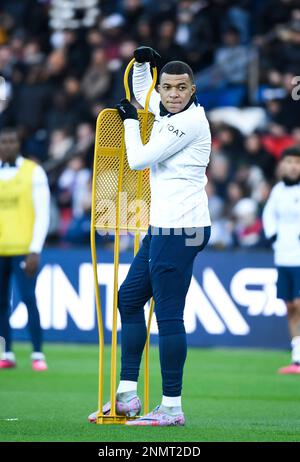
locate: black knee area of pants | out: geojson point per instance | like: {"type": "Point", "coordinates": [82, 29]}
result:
{"type": "Point", "coordinates": [170, 327]}
{"type": "Point", "coordinates": [130, 312]}
{"type": "Point", "coordinates": [124, 302]}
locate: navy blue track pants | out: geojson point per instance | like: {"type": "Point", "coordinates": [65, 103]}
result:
{"type": "Point", "coordinates": [11, 267]}
{"type": "Point", "coordinates": [163, 269]}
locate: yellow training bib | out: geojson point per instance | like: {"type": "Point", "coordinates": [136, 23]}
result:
{"type": "Point", "coordinates": [17, 214]}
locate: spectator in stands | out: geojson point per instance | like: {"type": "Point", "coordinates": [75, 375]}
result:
{"type": "Point", "coordinates": [143, 33]}
{"type": "Point", "coordinates": [132, 11]}
{"type": "Point", "coordinates": [230, 67]}
{"type": "Point", "coordinates": [232, 58]}
{"type": "Point", "coordinates": [271, 13]}
{"type": "Point", "coordinates": [84, 143]}
{"type": "Point", "coordinates": [235, 191]}
{"type": "Point", "coordinates": [165, 43]}
{"type": "Point", "coordinates": [31, 102]}
{"type": "Point", "coordinates": [77, 51]}
{"type": "Point", "coordinates": [219, 172]}
{"type": "Point", "coordinates": [194, 33]}
{"type": "Point", "coordinates": [230, 143]}
{"type": "Point", "coordinates": [256, 155]}
{"type": "Point", "coordinates": [78, 230]}
{"type": "Point", "coordinates": [125, 55]}
{"type": "Point", "coordinates": [97, 79]}
{"type": "Point", "coordinates": [248, 226]}
{"type": "Point", "coordinates": [60, 144]}
{"type": "Point", "coordinates": [74, 189]}
{"type": "Point", "coordinates": [56, 67]}
{"type": "Point", "coordinates": [113, 29]}
{"type": "Point", "coordinates": [221, 229]}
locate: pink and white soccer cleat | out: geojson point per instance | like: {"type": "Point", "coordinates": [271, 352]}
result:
{"type": "Point", "coordinates": [39, 365]}
{"type": "Point", "coordinates": [7, 364]}
{"type": "Point", "coordinates": [38, 362]}
{"type": "Point", "coordinates": [8, 360]}
{"type": "Point", "coordinates": [158, 418]}
{"type": "Point", "coordinates": [130, 409]}
{"type": "Point", "coordinates": [291, 369]}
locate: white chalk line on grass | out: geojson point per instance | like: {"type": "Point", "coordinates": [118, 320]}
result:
{"type": "Point", "coordinates": [9, 420]}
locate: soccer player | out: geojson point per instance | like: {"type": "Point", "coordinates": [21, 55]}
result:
{"type": "Point", "coordinates": [177, 153]}
{"type": "Point", "coordinates": [24, 220]}
{"type": "Point", "coordinates": [281, 221]}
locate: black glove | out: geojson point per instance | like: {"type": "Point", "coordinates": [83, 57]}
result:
{"type": "Point", "coordinates": [147, 55]}
{"type": "Point", "coordinates": [126, 110]}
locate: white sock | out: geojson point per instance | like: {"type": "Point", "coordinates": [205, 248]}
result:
{"type": "Point", "coordinates": [37, 356]}
{"type": "Point", "coordinates": [171, 401]}
{"type": "Point", "coordinates": [295, 343]}
{"type": "Point", "coordinates": [127, 385]}
{"type": "Point", "coordinates": [8, 356]}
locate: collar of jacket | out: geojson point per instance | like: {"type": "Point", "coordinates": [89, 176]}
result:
{"type": "Point", "coordinates": [164, 112]}
{"type": "Point", "coordinates": [14, 163]}
{"type": "Point", "coordinates": [5, 164]}
{"type": "Point", "coordinates": [289, 182]}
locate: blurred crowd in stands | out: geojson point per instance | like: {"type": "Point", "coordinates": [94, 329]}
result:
{"type": "Point", "coordinates": [63, 62]}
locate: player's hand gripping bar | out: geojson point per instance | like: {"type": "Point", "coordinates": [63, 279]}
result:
{"type": "Point", "coordinates": [126, 84]}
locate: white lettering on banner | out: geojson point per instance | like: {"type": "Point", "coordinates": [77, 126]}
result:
{"type": "Point", "coordinates": [210, 305]}
{"type": "Point", "coordinates": [225, 307]}
{"type": "Point", "coordinates": [199, 307]}
{"type": "Point", "coordinates": [66, 301]}
{"type": "Point", "coordinates": [261, 301]}
{"type": "Point", "coordinates": [19, 317]}
{"type": "Point", "coordinates": [106, 278]}
{"type": "Point", "coordinates": [44, 295]}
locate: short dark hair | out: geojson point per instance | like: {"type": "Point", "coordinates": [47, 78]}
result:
{"type": "Point", "coordinates": [177, 68]}
{"type": "Point", "coordinates": [9, 131]}
{"type": "Point", "coordinates": [292, 151]}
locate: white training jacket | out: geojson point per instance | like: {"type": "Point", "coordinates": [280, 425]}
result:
{"type": "Point", "coordinates": [281, 217]}
{"type": "Point", "coordinates": [41, 201]}
{"type": "Point", "coordinates": [177, 153]}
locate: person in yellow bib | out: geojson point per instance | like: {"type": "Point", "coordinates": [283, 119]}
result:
{"type": "Point", "coordinates": [24, 222]}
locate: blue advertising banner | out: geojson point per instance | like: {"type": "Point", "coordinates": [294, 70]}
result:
{"type": "Point", "coordinates": [231, 301]}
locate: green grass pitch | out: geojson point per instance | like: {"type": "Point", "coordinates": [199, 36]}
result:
{"type": "Point", "coordinates": [229, 395]}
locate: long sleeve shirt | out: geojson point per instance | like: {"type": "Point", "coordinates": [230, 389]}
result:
{"type": "Point", "coordinates": [177, 153]}
{"type": "Point", "coordinates": [281, 218]}
{"type": "Point", "coordinates": [41, 201]}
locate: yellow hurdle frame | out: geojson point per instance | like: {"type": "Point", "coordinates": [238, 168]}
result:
{"type": "Point", "coordinates": [112, 178]}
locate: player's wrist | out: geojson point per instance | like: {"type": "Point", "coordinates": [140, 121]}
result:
{"type": "Point", "coordinates": [132, 124]}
